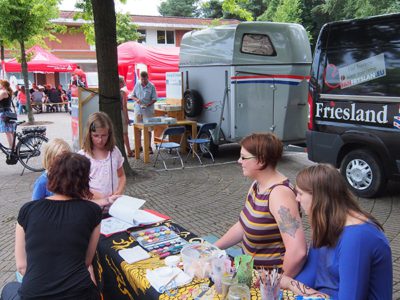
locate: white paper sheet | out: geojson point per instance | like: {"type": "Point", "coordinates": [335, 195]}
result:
{"type": "Point", "coordinates": [160, 282]}
{"type": "Point", "coordinates": [134, 254]}
{"type": "Point", "coordinates": [142, 217]}
{"type": "Point", "coordinates": [113, 225]}
{"type": "Point", "coordinates": [125, 207]}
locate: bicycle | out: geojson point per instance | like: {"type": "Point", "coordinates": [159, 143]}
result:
{"type": "Point", "coordinates": [28, 149]}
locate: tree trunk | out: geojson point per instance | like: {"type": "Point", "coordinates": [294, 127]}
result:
{"type": "Point", "coordinates": [107, 65]}
{"type": "Point", "coordinates": [2, 60]}
{"type": "Point", "coordinates": [24, 67]}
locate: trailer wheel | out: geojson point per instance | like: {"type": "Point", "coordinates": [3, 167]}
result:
{"type": "Point", "coordinates": [363, 173]}
{"type": "Point", "coordinates": [193, 103]}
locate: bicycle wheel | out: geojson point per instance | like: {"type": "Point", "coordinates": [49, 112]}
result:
{"type": "Point", "coordinates": [30, 153]}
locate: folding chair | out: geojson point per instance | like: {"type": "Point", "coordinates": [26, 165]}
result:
{"type": "Point", "coordinates": [202, 141]}
{"type": "Point", "coordinates": [167, 146]}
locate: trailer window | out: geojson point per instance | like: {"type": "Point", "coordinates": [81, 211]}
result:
{"type": "Point", "coordinates": [259, 44]}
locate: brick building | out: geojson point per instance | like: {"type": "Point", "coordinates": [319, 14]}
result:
{"type": "Point", "coordinates": [155, 31]}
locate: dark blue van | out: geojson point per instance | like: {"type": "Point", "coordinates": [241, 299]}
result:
{"type": "Point", "coordinates": [354, 101]}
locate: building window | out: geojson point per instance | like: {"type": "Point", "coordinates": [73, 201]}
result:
{"type": "Point", "coordinates": [165, 37]}
{"type": "Point", "coordinates": [142, 38]}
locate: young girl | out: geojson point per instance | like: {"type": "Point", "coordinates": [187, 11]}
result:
{"type": "Point", "coordinates": [350, 257]}
{"type": "Point", "coordinates": [107, 176]}
{"type": "Point", "coordinates": [52, 150]}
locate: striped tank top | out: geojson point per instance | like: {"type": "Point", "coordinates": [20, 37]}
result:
{"type": "Point", "coordinates": [261, 232]}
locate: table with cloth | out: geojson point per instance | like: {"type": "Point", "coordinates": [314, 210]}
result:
{"type": "Point", "coordinates": [119, 280]}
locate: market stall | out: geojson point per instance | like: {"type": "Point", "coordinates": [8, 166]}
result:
{"type": "Point", "coordinates": [40, 61]}
{"type": "Point", "coordinates": [134, 57]}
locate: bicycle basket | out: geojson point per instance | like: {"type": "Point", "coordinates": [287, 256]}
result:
{"type": "Point", "coordinates": [36, 129]}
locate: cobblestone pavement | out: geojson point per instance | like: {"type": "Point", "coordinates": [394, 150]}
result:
{"type": "Point", "coordinates": [203, 199]}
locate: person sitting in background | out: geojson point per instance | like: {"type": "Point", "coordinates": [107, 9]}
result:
{"type": "Point", "coordinates": [269, 225]}
{"type": "Point", "coordinates": [54, 97]}
{"type": "Point", "coordinates": [350, 256]}
{"type": "Point", "coordinates": [33, 88]}
{"type": "Point", "coordinates": [37, 98]}
{"type": "Point", "coordinates": [63, 96]}
{"type": "Point", "coordinates": [54, 148]}
{"type": "Point", "coordinates": [56, 238]}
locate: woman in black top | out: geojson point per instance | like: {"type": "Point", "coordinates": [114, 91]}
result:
{"type": "Point", "coordinates": [5, 105]}
{"type": "Point", "coordinates": [56, 237]}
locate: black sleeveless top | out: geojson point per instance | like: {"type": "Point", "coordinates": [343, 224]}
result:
{"type": "Point", "coordinates": [5, 103]}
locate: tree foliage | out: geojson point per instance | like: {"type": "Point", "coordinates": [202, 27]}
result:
{"type": "Point", "coordinates": [237, 8]}
{"type": "Point", "coordinates": [288, 11]}
{"type": "Point", "coordinates": [179, 8]}
{"type": "Point", "coordinates": [211, 9]}
{"type": "Point", "coordinates": [348, 9]}
{"type": "Point", "coordinates": [269, 13]}
{"type": "Point", "coordinates": [25, 21]}
{"type": "Point", "coordinates": [126, 30]}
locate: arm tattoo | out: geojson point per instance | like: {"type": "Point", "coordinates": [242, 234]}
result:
{"type": "Point", "coordinates": [306, 290]}
{"type": "Point", "coordinates": [288, 223]}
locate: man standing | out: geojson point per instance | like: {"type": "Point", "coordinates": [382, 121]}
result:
{"type": "Point", "coordinates": [145, 95]}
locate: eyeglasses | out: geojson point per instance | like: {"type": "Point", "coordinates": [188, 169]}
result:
{"type": "Point", "coordinates": [246, 158]}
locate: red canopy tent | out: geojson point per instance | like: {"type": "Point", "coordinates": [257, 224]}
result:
{"type": "Point", "coordinates": [41, 61]}
{"type": "Point", "coordinates": [158, 60]}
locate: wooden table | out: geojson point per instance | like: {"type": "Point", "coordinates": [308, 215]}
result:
{"type": "Point", "coordinates": [146, 142]}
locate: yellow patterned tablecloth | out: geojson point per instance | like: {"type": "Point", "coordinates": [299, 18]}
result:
{"type": "Point", "coordinates": [119, 280]}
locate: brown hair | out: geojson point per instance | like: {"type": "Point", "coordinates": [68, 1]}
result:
{"type": "Point", "coordinates": [98, 120]}
{"type": "Point", "coordinates": [332, 201]}
{"type": "Point", "coordinates": [121, 80]}
{"type": "Point", "coordinates": [54, 148]}
{"type": "Point", "coordinates": [69, 176]}
{"type": "Point", "coordinates": [6, 85]}
{"type": "Point", "coordinates": [144, 74]}
{"type": "Point", "coordinates": [266, 147]}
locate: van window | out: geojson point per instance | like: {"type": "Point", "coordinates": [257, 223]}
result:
{"type": "Point", "coordinates": [259, 44]}
{"type": "Point", "coordinates": [355, 65]}
{"type": "Point", "coordinates": [370, 71]}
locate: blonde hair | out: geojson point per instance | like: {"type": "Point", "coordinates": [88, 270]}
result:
{"type": "Point", "coordinates": [98, 120]}
{"type": "Point", "coordinates": [54, 148]}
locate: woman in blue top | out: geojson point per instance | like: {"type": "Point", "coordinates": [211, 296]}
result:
{"type": "Point", "coordinates": [351, 257]}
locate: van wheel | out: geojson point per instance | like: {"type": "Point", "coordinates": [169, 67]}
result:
{"type": "Point", "coordinates": [363, 173]}
{"type": "Point", "coordinates": [193, 103]}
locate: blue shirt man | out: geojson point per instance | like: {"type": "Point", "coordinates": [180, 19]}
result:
{"type": "Point", "coordinates": [145, 95]}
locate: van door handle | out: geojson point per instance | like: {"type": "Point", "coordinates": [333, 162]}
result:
{"type": "Point", "coordinates": [301, 104]}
